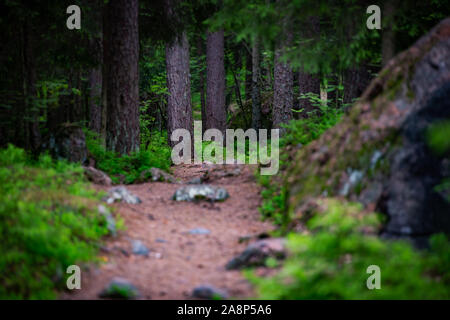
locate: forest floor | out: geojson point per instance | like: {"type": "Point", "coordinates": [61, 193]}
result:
{"type": "Point", "coordinates": [178, 260]}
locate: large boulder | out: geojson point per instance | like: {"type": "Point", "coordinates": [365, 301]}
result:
{"type": "Point", "coordinates": [378, 154]}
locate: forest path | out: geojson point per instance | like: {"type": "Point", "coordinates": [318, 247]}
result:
{"type": "Point", "coordinates": [180, 261]}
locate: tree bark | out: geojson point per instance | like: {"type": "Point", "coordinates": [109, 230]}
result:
{"type": "Point", "coordinates": [95, 100]}
{"type": "Point", "coordinates": [283, 95]}
{"type": "Point", "coordinates": [179, 109]}
{"type": "Point", "coordinates": [256, 94]}
{"type": "Point", "coordinates": [121, 55]}
{"type": "Point", "coordinates": [29, 81]}
{"type": "Point", "coordinates": [307, 83]}
{"type": "Point", "coordinates": [356, 80]}
{"type": "Point", "coordinates": [216, 116]}
{"type": "Point", "coordinates": [248, 74]}
{"type": "Point", "coordinates": [95, 82]}
{"type": "Point", "coordinates": [201, 53]}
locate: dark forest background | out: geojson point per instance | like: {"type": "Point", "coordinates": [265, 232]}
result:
{"type": "Point", "coordinates": [104, 100]}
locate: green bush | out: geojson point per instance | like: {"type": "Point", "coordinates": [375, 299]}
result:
{"type": "Point", "coordinates": [301, 131]}
{"type": "Point", "coordinates": [48, 221]}
{"type": "Point", "coordinates": [310, 128]}
{"type": "Point", "coordinates": [156, 155]}
{"type": "Point", "coordinates": [330, 262]}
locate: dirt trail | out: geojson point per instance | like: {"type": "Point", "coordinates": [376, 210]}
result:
{"type": "Point", "coordinates": [180, 261]}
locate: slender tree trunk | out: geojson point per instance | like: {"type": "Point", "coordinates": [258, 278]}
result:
{"type": "Point", "coordinates": [201, 53]}
{"type": "Point", "coordinates": [179, 109]}
{"type": "Point", "coordinates": [95, 99]}
{"type": "Point", "coordinates": [248, 74]}
{"type": "Point", "coordinates": [78, 114]}
{"type": "Point", "coordinates": [121, 55]}
{"type": "Point", "coordinates": [307, 83]}
{"type": "Point", "coordinates": [95, 84]}
{"type": "Point", "coordinates": [388, 34]}
{"type": "Point", "coordinates": [256, 94]}
{"type": "Point", "coordinates": [216, 116]}
{"type": "Point", "coordinates": [283, 97]}
{"type": "Point", "coordinates": [29, 73]}
{"type": "Point", "coordinates": [356, 80]}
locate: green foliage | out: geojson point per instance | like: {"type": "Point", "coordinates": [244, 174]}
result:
{"type": "Point", "coordinates": [273, 205]}
{"type": "Point", "coordinates": [438, 140]}
{"type": "Point", "coordinates": [317, 122]}
{"type": "Point", "coordinates": [301, 131]}
{"type": "Point", "coordinates": [438, 137]}
{"type": "Point", "coordinates": [330, 262]}
{"type": "Point", "coordinates": [129, 167]}
{"type": "Point", "coordinates": [48, 221]}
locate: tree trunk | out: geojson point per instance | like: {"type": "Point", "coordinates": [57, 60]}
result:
{"type": "Point", "coordinates": [216, 116]}
{"type": "Point", "coordinates": [78, 115]}
{"type": "Point", "coordinates": [283, 97]}
{"type": "Point", "coordinates": [95, 99]}
{"type": "Point", "coordinates": [356, 80]}
{"type": "Point", "coordinates": [29, 81]}
{"type": "Point", "coordinates": [256, 94]}
{"type": "Point", "coordinates": [121, 55]}
{"type": "Point", "coordinates": [248, 74]}
{"type": "Point", "coordinates": [307, 83]}
{"type": "Point", "coordinates": [388, 34]}
{"type": "Point", "coordinates": [179, 109]}
{"type": "Point", "coordinates": [95, 85]}
{"type": "Point", "coordinates": [201, 53]}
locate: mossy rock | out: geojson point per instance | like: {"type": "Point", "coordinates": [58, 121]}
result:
{"type": "Point", "coordinates": [378, 154]}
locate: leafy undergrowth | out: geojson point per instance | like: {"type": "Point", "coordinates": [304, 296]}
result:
{"type": "Point", "coordinates": [330, 261]}
{"type": "Point", "coordinates": [301, 131]}
{"type": "Point", "coordinates": [128, 168]}
{"type": "Point", "coordinates": [48, 221]}
{"type": "Point", "coordinates": [305, 130]}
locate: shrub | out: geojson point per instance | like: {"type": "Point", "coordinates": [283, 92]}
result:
{"type": "Point", "coordinates": [301, 131]}
{"type": "Point", "coordinates": [48, 221]}
{"type": "Point", "coordinates": [157, 155]}
{"type": "Point", "coordinates": [308, 129]}
{"type": "Point", "coordinates": [331, 259]}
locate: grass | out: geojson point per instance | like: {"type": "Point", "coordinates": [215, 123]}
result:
{"type": "Point", "coordinates": [129, 167]}
{"type": "Point", "coordinates": [48, 221]}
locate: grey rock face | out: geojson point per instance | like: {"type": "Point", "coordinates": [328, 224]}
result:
{"type": "Point", "coordinates": [120, 288]}
{"type": "Point", "coordinates": [355, 177]}
{"type": "Point", "coordinates": [200, 192]}
{"type": "Point", "coordinates": [385, 142]}
{"type": "Point", "coordinates": [257, 253]}
{"type": "Point", "coordinates": [121, 194]}
{"type": "Point", "coordinates": [208, 292]}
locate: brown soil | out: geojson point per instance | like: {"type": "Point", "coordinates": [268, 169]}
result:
{"type": "Point", "coordinates": [184, 261]}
